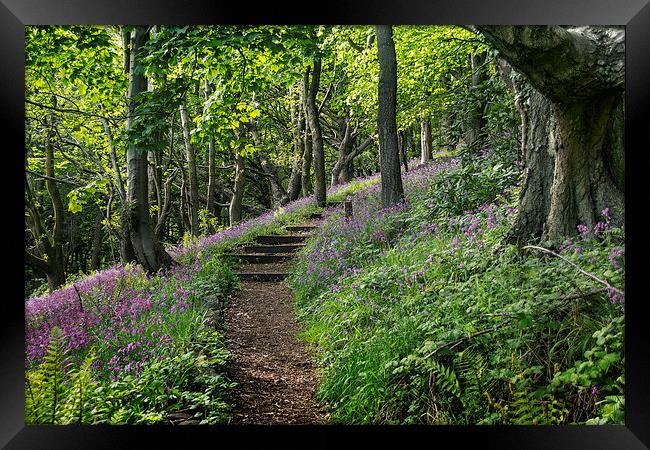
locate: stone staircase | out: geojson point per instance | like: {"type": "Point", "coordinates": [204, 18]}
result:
{"type": "Point", "coordinates": [267, 259]}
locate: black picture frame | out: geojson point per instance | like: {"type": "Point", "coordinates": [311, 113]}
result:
{"type": "Point", "coordinates": [634, 14]}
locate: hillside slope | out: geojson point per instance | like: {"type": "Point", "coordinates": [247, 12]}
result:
{"type": "Point", "coordinates": [424, 313]}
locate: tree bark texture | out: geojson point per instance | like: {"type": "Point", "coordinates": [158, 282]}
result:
{"type": "Point", "coordinates": [475, 122]}
{"type": "Point", "coordinates": [391, 180]}
{"type": "Point", "coordinates": [149, 252]}
{"type": "Point", "coordinates": [190, 157]}
{"type": "Point", "coordinates": [270, 169]}
{"type": "Point", "coordinates": [294, 185]}
{"type": "Point", "coordinates": [581, 72]}
{"type": "Point", "coordinates": [426, 148]}
{"type": "Point", "coordinates": [320, 188]}
{"type": "Point", "coordinates": [235, 209]}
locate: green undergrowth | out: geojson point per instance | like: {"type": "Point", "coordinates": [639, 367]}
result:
{"type": "Point", "coordinates": [123, 347]}
{"type": "Point", "coordinates": [425, 313]}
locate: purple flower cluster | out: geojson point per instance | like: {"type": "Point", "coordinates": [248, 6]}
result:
{"type": "Point", "coordinates": [342, 244]}
{"type": "Point", "coordinates": [615, 295]}
{"type": "Point", "coordinates": [123, 315]}
{"type": "Point", "coordinates": [470, 229]}
{"type": "Point", "coordinates": [617, 256]}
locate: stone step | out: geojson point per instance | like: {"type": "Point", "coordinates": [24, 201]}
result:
{"type": "Point", "coordinates": [275, 276]}
{"type": "Point", "coordinates": [280, 239]}
{"type": "Point", "coordinates": [262, 258]}
{"type": "Point", "coordinates": [300, 228]}
{"type": "Point", "coordinates": [280, 248]}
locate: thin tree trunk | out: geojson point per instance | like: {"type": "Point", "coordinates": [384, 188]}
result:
{"type": "Point", "coordinates": [306, 164]}
{"type": "Point", "coordinates": [391, 180]}
{"type": "Point", "coordinates": [235, 209]}
{"type": "Point", "coordinates": [344, 150]}
{"type": "Point", "coordinates": [190, 156]}
{"type": "Point", "coordinates": [316, 135]}
{"type": "Point", "coordinates": [277, 191]}
{"type": "Point", "coordinates": [98, 233]}
{"type": "Point", "coordinates": [127, 254]}
{"type": "Point", "coordinates": [472, 134]}
{"type": "Point", "coordinates": [212, 164]}
{"type": "Point", "coordinates": [401, 144]}
{"type": "Point", "coordinates": [426, 150]}
{"type": "Point", "coordinates": [294, 185]}
{"type": "Point", "coordinates": [56, 274]}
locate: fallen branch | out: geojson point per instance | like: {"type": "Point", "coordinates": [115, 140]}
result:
{"type": "Point", "coordinates": [581, 270]}
{"type": "Point", "coordinates": [456, 343]}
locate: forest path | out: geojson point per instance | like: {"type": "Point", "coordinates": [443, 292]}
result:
{"type": "Point", "coordinates": [276, 379]}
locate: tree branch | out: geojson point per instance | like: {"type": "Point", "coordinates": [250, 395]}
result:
{"type": "Point", "coordinates": [584, 272]}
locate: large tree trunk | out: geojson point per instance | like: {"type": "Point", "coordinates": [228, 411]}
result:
{"type": "Point", "coordinates": [391, 180]}
{"type": "Point", "coordinates": [190, 157]}
{"type": "Point", "coordinates": [581, 71]}
{"type": "Point", "coordinates": [149, 253]}
{"type": "Point", "coordinates": [316, 135]}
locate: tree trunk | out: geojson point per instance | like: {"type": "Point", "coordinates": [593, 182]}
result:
{"type": "Point", "coordinates": [98, 233]}
{"type": "Point", "coordinates": [306, 165]}
{"type": "Point", "coordinates": [212, 164]}
{"type": "Point", "coordinates": [270, 169]}
{"type": "Point", "coordinates": [235, 209]}
{"type": "Point", "coordinates": [148, 250]}
{"type": "Point", "coordinates": [345, 147]}
{"type": "Point", "coordinates": [294, 184]}
{"type": "Point", "coordinates": [401, 144]}
{"type": "Point", "coordinates": [581, 71]}
{"type": "Point", "coordinates": [472, 134]}
{"type": "Point", "coordinates": [391, 180]}
{"type": "Point", "coordinates": [127, 254]}
{"type": "Point", "coordinates": [190, 157]}
{"type": "Point", "coordinates": [539, 145]}
{"type": "Point", "coordinates": [316, 135]}
{"type": "Point", "coordinates": [583, 184]}
{"type": "Point", "coordinates": [426, 148]}
{"type": "Point", "coordinates": [55, 254]}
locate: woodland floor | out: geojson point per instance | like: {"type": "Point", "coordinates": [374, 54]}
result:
{"type": "Point", "coordinates": [276, 379]}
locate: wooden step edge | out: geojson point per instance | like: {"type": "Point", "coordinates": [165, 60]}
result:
{"type": "Point", "coordinates": [271, 249]}
{"type": "Point", "coordinates": [274, 276]}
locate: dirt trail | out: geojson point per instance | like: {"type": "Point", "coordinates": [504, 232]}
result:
{"type": "Point", "coordinates": [276, 380]}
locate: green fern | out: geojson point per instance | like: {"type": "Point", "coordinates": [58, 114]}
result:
{"type": "Point", "coordinates": [56, 393]}
{"type": "Point", "coordinates": [78, 408]}
{"type": "Point", "coordinates": [44, 386]}
{"type": "Point", "coordinates": [528, 408]}
{"type": "Point", "coordinates": [443, 377]}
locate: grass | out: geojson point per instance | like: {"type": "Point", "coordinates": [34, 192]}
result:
{"type": "Point", "coordinates": [424, 314]}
